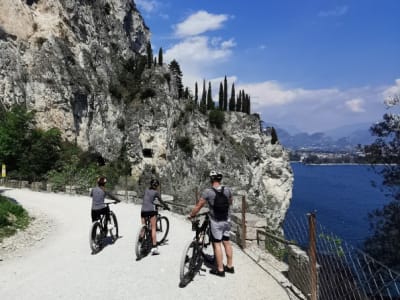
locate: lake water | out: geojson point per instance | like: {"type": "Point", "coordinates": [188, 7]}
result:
{"type": "Point", "coordinates": [341, 195]}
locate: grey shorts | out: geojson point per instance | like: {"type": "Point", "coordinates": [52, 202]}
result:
{"type": "Point", "coordinates": [220, 230]}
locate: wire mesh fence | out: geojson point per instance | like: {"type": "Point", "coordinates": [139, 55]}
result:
{"type": "Point", "coordinates": [342, 271]}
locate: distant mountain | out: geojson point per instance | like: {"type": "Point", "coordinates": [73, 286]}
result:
{"type": "Point", "coordinates": [344, 138]}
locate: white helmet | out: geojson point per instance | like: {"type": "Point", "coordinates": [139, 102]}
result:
{"type": "Point", "coordinates": [215, 176]}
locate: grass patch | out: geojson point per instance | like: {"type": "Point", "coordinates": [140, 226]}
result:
{"type": "Point", "coordinates": [12, 217]}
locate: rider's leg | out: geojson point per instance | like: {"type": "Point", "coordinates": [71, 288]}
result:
{"type": "Point", "coordinates": [229, 253]}
{"type": "Point", "coordinates": [218, 255]}
{"type": "Point", "coordinates": [106, 212]}
{"type": "Point", "coordinates": [153, 220]}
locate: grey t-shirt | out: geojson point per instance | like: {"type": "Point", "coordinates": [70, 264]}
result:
{"type": "Point", "coordinates": [209, 195]}
{"type": "Point", "coordinates": [98, 196]}
{"type": "Point", "coordinates": [151, 197]}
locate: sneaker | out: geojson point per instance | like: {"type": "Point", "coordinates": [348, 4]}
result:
{"type": "Point", "coordinates": [154, 251]}
{"type": "Point", "coordinates": [229, 270]}
{"type": "Point", "coordinates": [218, 273]}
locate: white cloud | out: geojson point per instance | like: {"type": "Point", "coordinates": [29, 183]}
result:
{"type": "Point", "coordinates": [199, 23]}
{"type": "Point", "coordinates": [336, 12]}
{"type": "Point", "coordinates": [314, 110]}
{"type": "Point", "coordinates": [198, 55]}
{"type": "Point", "coordinates": [355, 105]}
{"type": "Point", "coordinates": [147, 6]}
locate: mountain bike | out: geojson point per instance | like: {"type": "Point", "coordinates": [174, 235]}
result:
{"type": "Point", "coordinates": [101, 228]}
{"type": "Point", "coordinates": [193, 255]}
{"type": "Point", "coordinates": [143, 238]}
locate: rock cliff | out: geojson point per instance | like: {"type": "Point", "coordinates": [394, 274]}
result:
{"type": "Point", "coordinates": [81, 65]}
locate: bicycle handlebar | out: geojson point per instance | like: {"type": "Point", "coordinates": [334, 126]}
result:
{"type": "Point", "coordinates": [199, 215]}
{"type": "Point", "coordinates": [114, 202]}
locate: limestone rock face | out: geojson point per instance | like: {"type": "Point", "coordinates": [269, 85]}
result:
{"type": "Point", "coordinates": [82, 66]}
{"type": "Point", "coordinates": [63, 58]}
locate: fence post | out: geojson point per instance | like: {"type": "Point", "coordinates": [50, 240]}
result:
{"type": "Point", "coordinates": [244, 222]}
{"type": "Point", "coordinates": [313, 256]}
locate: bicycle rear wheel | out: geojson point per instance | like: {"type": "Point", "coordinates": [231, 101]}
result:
{"type": "Point", "coordinates": [113, 226]}
{"type": "Point", "coordinates": [95, 237]}
{"type": "Point", "coordinates": [162, 229]}
{"type": "Point", "coordinates": [190, 263]}
{"type": "Point", "coordinates": [143, 242]}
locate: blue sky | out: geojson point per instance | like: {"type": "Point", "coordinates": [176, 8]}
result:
{"type": "Point", "coordinates": [312, 64]}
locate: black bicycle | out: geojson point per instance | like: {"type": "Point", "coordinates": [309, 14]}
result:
{"type": "Point", "coordinates": [193, 254]}
{"type": "Point", "coordinates": [102, 229]}
{"type": "Point", "coordinates": [143, 238]}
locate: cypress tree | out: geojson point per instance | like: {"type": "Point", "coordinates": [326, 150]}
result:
{"type": "Point", "coordinates": [225, 105]}
{"type": "Point", "coordinates": [176, 70]}
{"type": "Point", "coordinates": [239, 102]}
{"type": "Point", "coordinates": [221, 97]}
{"type": "Point", "coordinates": [149, 55]}
{"type": "Point", "coordinates": [203, 102]}
{"type": "Point", "coordinates": [232, 103]}
{"type": "Point", "coordinates": [196, 95]}
{"type": "Point", "coordinates": [210, 102]}
{"type": "Point", "coordinates": [160, 57]}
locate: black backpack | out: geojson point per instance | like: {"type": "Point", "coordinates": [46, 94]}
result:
{"type": "Point", "coordinates": [221, 205]}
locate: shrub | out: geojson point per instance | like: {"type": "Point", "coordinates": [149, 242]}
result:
{"type": "Point", "coordinates": [216, 118]}
{"type": "Point", "coordinates": [12, 217]}
{"type": "Point", "coordinates": [147, 93]}
{"type": "Point", "coordinates": [186, 144]}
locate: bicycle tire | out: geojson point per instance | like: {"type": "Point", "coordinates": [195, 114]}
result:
{"type": "Point", "coordinates": [142, 242]}
{"type": "Point", "coordinates": [190, 263]}
{"type": "Point", "coordinates": [162, 229]}
{"type": "Point", "coordinates": [113, 226]}
{"type": "Point", "coordinates": [96, 237]}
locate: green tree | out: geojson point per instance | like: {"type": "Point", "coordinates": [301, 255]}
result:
{"type": "Point", "coordinates": [196, 95]}
{"type": "Point", "coordinates": [41, 155]}
{"type": "Point", "coordinates": [176, 71]}
{"type": "Point", "coordinates": [203, 102]}
{"type": "Point", "coordinates": [274, 136]}
{"type": "Point", "coordinates": [225, 105]}
{"type": "Point", "coordinates": [232, 102]}
{"type": "Point", "coordinates": [160, 57]}
{"type": "Point", "coordinates": [221, 97]}
{"type": "Point", "coordinates": [149, 52]}
{"type": "Point", "coordinates": [384, 244]}
{"type": "Point", "coordinates": [210, 101]}
{"type": "Point", "coordinates": [239, 102]}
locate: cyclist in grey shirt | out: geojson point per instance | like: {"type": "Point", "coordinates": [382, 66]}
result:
{"type": "Point", "coordinates": [220, 224]}
{"type": "Point", "coordinates": [149, 209]}
{"type": "Point", "coordinates": [98, 195]}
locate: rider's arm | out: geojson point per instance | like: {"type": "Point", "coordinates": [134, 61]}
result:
{"type": "Point", "coordinates": [197, 208]}
{"type": "Point", "coordinates": [111, 196]}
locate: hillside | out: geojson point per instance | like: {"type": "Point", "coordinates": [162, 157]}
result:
{"type": "Point", "coordinates": [82, 67]}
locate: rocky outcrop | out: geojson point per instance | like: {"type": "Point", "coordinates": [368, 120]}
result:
{"type": "Point", "coordinates": [81, 65]}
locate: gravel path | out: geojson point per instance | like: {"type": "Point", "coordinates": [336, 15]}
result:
{"type": "Point", "coordinates": [53, 259]}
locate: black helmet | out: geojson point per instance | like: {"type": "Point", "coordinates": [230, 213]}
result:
{"type": "Point", "coordinates": [154, 183]}
{"type": "Point", "coordinates": [102, 181]}
{"type": "Point", "coordinates": [215, 176]}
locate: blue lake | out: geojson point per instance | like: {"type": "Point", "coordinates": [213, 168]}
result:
{"type": "Point", "coordinates": [341, 195]}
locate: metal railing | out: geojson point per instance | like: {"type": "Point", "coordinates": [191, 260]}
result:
{"type": "Point", "coordinates": [325, 267]}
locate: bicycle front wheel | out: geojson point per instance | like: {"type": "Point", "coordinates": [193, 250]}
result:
{"type": "Point", "coordinates": [162, 229]}
{"type": "Point", "coordinates": [95, 237]}
{"type": "Point", "coordinates": [142, 242]}
{"type": "Point", "coordinates": [113, 226]}
{"type": "Point", "coordinates": [189, 263]}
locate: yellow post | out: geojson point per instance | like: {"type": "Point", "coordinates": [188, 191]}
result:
{"type": "Point", "coordinates": [3, 170]}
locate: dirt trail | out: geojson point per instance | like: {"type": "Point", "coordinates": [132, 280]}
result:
{"type": "Point", "coordinates": [60, 266]}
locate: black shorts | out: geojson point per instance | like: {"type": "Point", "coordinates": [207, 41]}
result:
{"type": "Point", "coordinates": [145, 214]}
{"type": "Point", "coordinates": [97, 213]}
